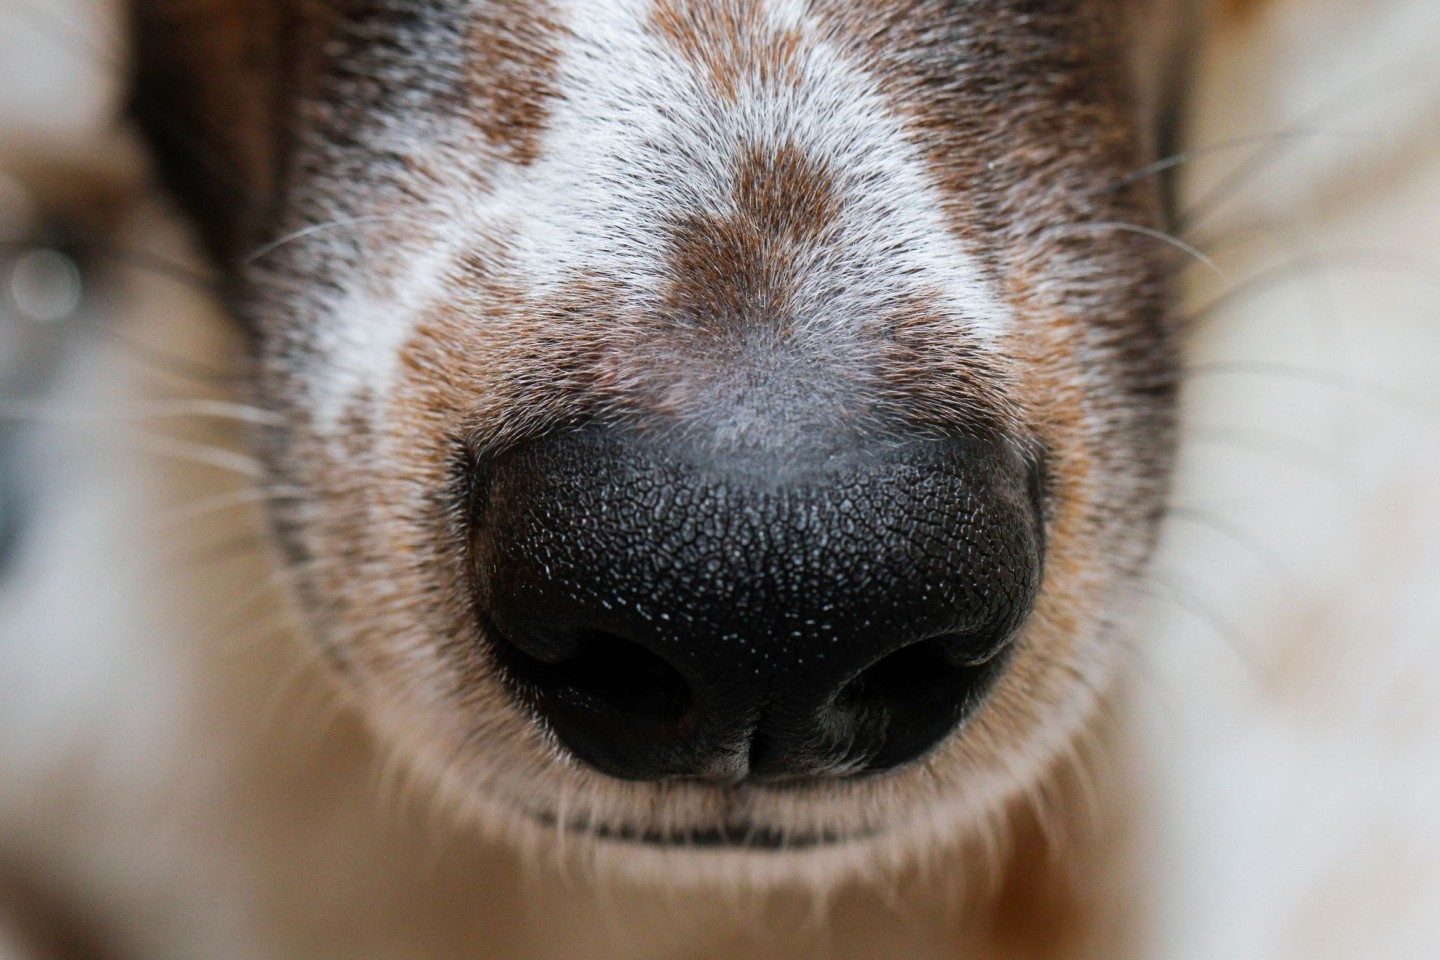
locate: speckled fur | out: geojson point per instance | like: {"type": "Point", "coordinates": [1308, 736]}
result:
{"type": "Point", "coordinates": [911, 213]}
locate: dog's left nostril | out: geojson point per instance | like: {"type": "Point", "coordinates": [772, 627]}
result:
{"type": "Point", "coordinates": [920, 692]}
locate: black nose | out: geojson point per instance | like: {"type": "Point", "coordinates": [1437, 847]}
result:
{"type": "Point", "coordinates": [704, 615]}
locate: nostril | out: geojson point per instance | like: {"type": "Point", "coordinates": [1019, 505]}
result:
{"type": "Point", "coordinates": [596, 672]}
{"type": "Point", "coordinates": [609, 700]}
{"type": "Point", "coordinates": [908, 701]}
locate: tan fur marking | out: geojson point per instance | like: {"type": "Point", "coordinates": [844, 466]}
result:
{"type": "Point", "coordinates": [785, 192]}
{"type": "Point", "coordinates": [514, 52]}
{"type": "Point", "coordinates": [734, 273]}
{"type": "Point", "coordinates": [723, 280]}
{"type": "Point", "coordinates": [1039, 910]}
{"type": "Point", "coordinates": [730, 41]}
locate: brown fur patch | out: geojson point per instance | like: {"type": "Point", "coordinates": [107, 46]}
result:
{"type": "Point", "coordinates": [513, 52]}
{"type": "Point", "coordinates": [724, 276]}
{"type": "Point", "coordinates": [1040, 910]}
{"type": "Point", "coordinates": [734, 273]}
{"type": "Point", "coordinates": [785, 192]}
{"type": "Point", "coordinates": [730, 41]}
{"type": "Point", "coordinates": [1064, 893]}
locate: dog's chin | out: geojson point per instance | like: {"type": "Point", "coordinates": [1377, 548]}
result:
{"type": "Point", "coordinates": [749, 859]}
{"type": "Point", "coordinates": [813, 845]}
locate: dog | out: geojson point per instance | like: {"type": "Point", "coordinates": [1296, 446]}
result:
{"type": "Point", "coordinates": [709, 456]}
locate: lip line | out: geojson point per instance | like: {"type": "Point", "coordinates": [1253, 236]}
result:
{"type": "Point", "coordinates": [728, 837]}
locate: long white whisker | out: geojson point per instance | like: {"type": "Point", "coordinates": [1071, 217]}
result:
{"type": "Point", "coordinates": [289, 238]}
{"type": "Point", "coordinates": [1196, 153]}
{"type": "Point", "coordinates": [225, 501]}
{"type": "Point", "coordinates": [1297, 373]}
{"type": "Point", "coordinates": [231, 461]}
{"type": "Point", "coordinates": [1174, 241]}
{"type": "Point", "coordinates": [151, 263]}
{"type": "Point", "coordinates": [1237, 534]}
{"type": "Point", "coordinates": [1401, 263]}
{"type": "Point", "coordinates": [164, 361]}
{"type": "Point", "coordinates": [1347, 99]}
{"type": "Point", "coordinates": [1164, 586]}
{"type": "Point", "coordinates": [1269, 443]}
{"type": "Point", "coordinates": [143, 412]}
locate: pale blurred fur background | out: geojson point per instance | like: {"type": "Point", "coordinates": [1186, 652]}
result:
{"type": "Point", "coordinates": [1286, 673]}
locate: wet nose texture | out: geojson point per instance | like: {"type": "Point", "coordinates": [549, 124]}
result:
{"type": "Point", "coordinates": [700, 616]}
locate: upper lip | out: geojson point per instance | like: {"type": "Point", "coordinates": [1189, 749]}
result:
{"type": "Point", "coordinates": [740, 835]}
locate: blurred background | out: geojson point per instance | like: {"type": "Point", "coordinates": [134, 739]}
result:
{"type": "Point", "coordinates": [1286, 667]}
{"type": "Point", "coordinates": [1289, 666]}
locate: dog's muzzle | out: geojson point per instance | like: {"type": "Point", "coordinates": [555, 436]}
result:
{"type": "Point", "coordinates": [672, 610]}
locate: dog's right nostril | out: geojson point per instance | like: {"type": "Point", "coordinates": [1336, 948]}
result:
{"type": "Point", "coordinates": [604, 695]}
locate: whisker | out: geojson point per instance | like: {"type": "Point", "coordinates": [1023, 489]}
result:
{"type": "Point", "coordinates": [146, 412]}
{"type": "Point", "coordinates": [267, 249]}
{"type": "Point", "coordinates": [259, 599]}
{"type": "Point", "coordinates": [1220, 146]}
{"type": "Point", "coordinates": [1189, 249]}
{"type": "Point", "coordinates": [165, 361]}
{"type": "Point", "coordinates": [224, 501]}
{"type": "Point", "coordinates": [150, 263]}
{"type": "Point", "coordinates": [202, 556]}
{"type": "Point", "coordinates": [1235, 533]}
{"type": "Point", "coordinates": [1296, 373]}
{"type": "Point", "coordinates": [1163, 586]}
{"type": "Point", "coordinates": [231, 461]}
{"type": "Point", "coordinates": [1269, 442]}
{"type": "Point", "coordinates": [154, 264]}
{"type": "Point", "coordinates": [1352, 96]}
{"type": "Point", "coordinates": [1419, 269]}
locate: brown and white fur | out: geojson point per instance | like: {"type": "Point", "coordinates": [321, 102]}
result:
{"type": "Point", "coordinates": [479, 220]}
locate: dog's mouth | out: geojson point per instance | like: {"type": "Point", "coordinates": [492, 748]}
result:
{"type": "Point", "coordinates": [743, 836]}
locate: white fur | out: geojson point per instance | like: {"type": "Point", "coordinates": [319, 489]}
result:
{"type": "Point", "coordinates": [613, 168]}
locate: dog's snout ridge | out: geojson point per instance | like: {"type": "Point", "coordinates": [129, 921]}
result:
{"type": "Point", "coordinates": [678, 612]}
